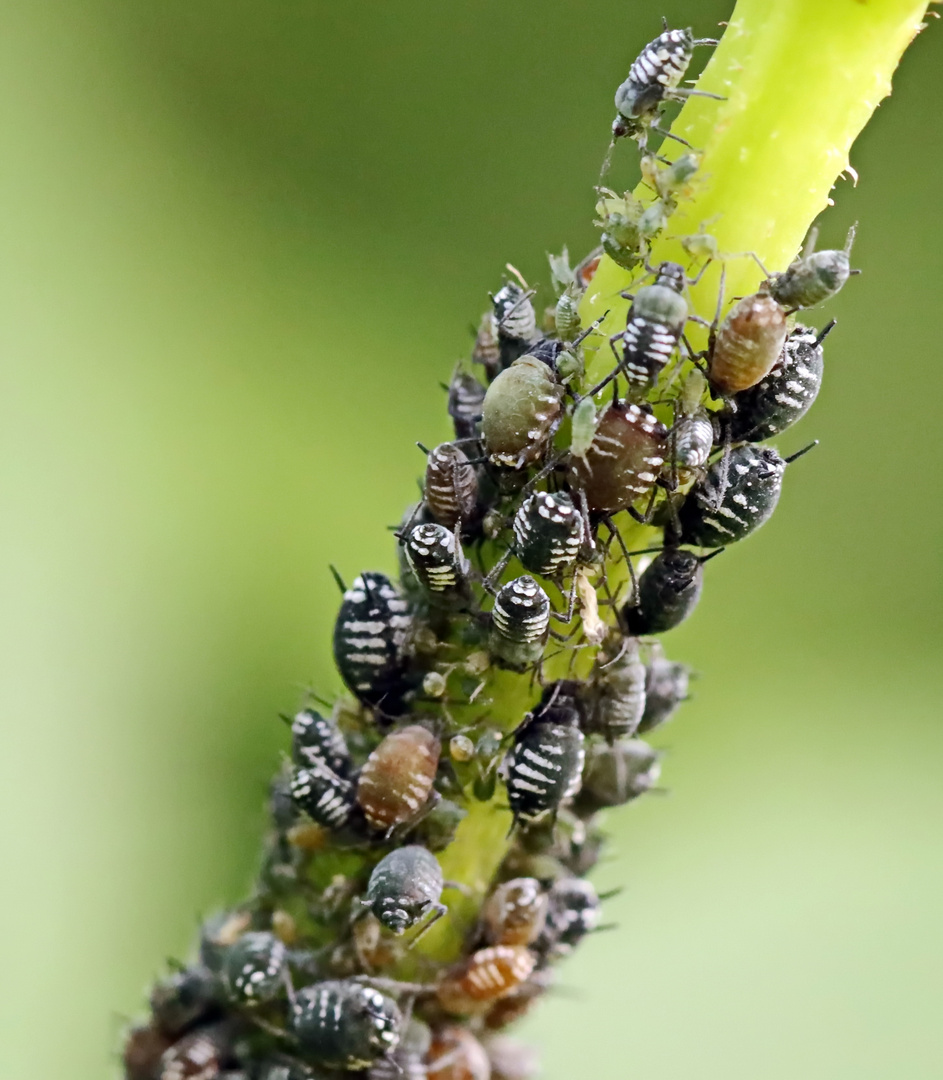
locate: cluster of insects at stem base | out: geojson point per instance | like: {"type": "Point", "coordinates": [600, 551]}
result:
{"type": "Point", "coordinates": [516, 584]}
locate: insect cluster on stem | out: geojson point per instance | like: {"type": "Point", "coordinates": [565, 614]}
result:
{"type": "Point", "coordinates": [564, 527]}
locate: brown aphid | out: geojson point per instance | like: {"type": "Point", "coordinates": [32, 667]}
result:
{"type": "Point", "coordinates": [623, 460]}
{"type": "Point", "coordinates": [748, 344]}
{"type": "Point", "coordinates": [515, 913]}
{"type": "Point", "coordinates": [194, 1057]}
{"type": "Point", "coordinates": [143, 1049]}
{"type": "Point", "coordinates": [455, 1054]}
{"type": "Point", "coordinates": [486, 976]}
{"type": "Point", "coordinates": [451, 489]}
{"type": "Point", "coordinates": [396, 781]}
{"type": "Point", "coordinates": [521, 411]}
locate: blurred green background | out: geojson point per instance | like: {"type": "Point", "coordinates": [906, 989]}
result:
{"type": "Point", "coordinates": [242, 243]}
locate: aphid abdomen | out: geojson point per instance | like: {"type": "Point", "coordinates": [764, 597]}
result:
{"type": "Point", "coordinates": [521, 410]}
{"type": "Point", "coordinates": [669, 591]}
{"type": "Point", "coordinates": [692, 440]}
{"type": "Point", "coordinates": [486, 976]}
{"type": "Point", "coordinates": [653, 328]}
{"type": "Point", "coordinates": [324, 796]}
{"type": "Point", "coordinates": [344, 1024]}
{"type": "Point", "coordinates": [397, 778]}
{"type": "Point", "coordinates": [624, 459]}
{"type": "Point", "coordinates": [783, 396]}
{"type": "Point", "coordinates": [666, 687]}
{"type": "Point", "coordinates": [574, 911]}
{"type": "Point", "coordinates": [713, 514]}
{"type": "Point", "coordinates": [255, 967]}
{"type": "Point", "coordinates": [514, 914]}
{"type": "Point", "coordinates": [747, 344]}
{"type": "Point", "coordinates": [371, 629]}
{"type": "Point", "coordinates": [451, 487]}
{"type": "Point", "coordinates": [548, 532]}
{"type": "Point", "coordinates": [544, 765]}
{"type": "Point", "coordinates": [466, 395]}
{"type": "Point", "coordinates": [617, 774]}
{"type": "Point", "coordinates": [435, 557]}
{"type": "Point", "coordinates": [617, 694]}
{"type": "Point", "coordinates": [520, 623]}
{"type": "Point", "coordinates": [317, 738]}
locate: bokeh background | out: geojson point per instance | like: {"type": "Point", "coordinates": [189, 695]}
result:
{"type": "Point", "coordinates": [242, 243]}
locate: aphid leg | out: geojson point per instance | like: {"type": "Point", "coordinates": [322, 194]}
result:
{"type": "Point", "coordinates": [682, 93]}
{"type": "Point", "coordinates": [438, 910]}
{"type": "Point", "coordinates": [670, 135]}
{"type": "Point", "coordinates": [488, 583]}
{"type": "Point", "coordinates": [644, 519]}
{"type": "Point", "coordinates": [610, 525]}
{"type": "Point", "coordinates": [567, 617]}
{"type": "Point", "coordinates": [721, 489]}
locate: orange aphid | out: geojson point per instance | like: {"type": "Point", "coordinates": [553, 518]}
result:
{"type": "Point", "coordinates": [396, 780]}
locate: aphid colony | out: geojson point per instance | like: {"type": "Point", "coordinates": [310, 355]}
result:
{"type": "Point", "coordinates": [515, 659]}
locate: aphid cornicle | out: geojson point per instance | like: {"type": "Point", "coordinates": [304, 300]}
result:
{"type": "Point", "coordinates": [255, 968]}
{"type": "Point", "coordinates": [466, 395]}
{"type": "Point", "coordinates": [654, 78]}
{"type": "Point", "coordinates": [344, 1024]}
{"type": "Point", "coordinates": [786, 394]}
{"type": "Point", "coordinates": [544, 764]}
{"type": "Point", "coordinates": [405, 887]}
{"type": "Point", "coordinates": [486, 976]}
{"type": "Point", "coordinates": [451, 487]}
{"type": "Point", "coordinates": [617, 774]}
{"type": "Point", "coordinates": [666, 687]}
{"type": "Point", "coordinates": [548, 532]}
{"type": "Point", "coordinates": [617, 692]}
{"type": "Point", "coordinates": [317, 738]}
{"type": "Point", "coordinates": [624, 459]}
{"type": "Point", "coordinates": [369, 634]}
{"type": "Point", "coordinates": [747, 344]}
{"type": "Point", "coordinates": [515, 912]}
{"type": "Point", "coordinates": [396, 782]}
{"type": "Point", "coordinates": [521, 411]}
{"type": "Point", "coordinates": [515, 322]}
{"type": "Point", "coordinates": [435, 555]}
{"type": "Point", "coordinates": [455, 1054]}
{"type": "Point", "coordinates": [814, 276]}
{"type": "Point", "coordinates": [520, 624]}
{"type": "Point", "coordinates": [573, 912]}
{"type": "Point", "coordinates": [728, 505]}
{"type": "Point", "coordinates": [653, 326]}
{"type": "Point", "coordinates": [668, 592]}
{"type": "Point", "coordinates": [325, 797]}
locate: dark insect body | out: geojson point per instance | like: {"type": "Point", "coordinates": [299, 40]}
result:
{"type": "Point", "coordinates": [654, 78]}
{"type": "Point", "coordinates": [345, 1024]}
{"type": "Point", "coordinates": [316, 738]}
{"type": "Point", "coordinates": [617, 693]}
{"type": "Point", "coordinates": [653, 327]}
{"type": "Point", "coordinates": [624, 459]}
{"type": "Point", "coordinates": [486, 976]}
{"type": "Point", "coordinates": [515, 912]}
{"type": "Point", "coordinates": [786, 394]}
{"type": "Point", "coordinates": [486, 351]}
{"type": "Point", "coordinates": [325, 797]}
{"type": "Point", "coordinates": [548, 532]}
{"type": "Point", "coordinates": [405, 887]}
{"type": "Point", "coordinates": [617, 774]}
{"type": "Point", "coordinates": [520, 624]}
{"type": "Point", "coordinates": [515, 322]}
{"type": "Point", "coordinates": [451, 487]}
{"type": "Point", "coordinates": [521, 411]}
{"type": "Point", "coordinates": [408, 1060]}
{"type": "Point", "coordinates": [184, 999]}
{"type": "Point", "coordinates": [456, 1054]}
{"type": "Point", "coordinates": [396, 782]}
{"type": "Point", "coordinates": [747, 344]}
{"type": "Point", "coordinates": [668, 592]}
{"type": "Point", "coordinates": [466, 395]}
{"type": "Point", "coordinates": [666, 687]}
{"type": "Point", "coordinates": [256, 967]}
{"type": "Point", "coordinates": [435, 555]}
{"type": "Point", "coordinates": [814, 277]}
{"type": "Point", "coordinates": [573, 912]}
{"type": "Point", "coordinates": [730, 504]}
{"type": "Point", "coordinates": [369, 634]}
{"type": "Point", "coordinates": [544, 764]}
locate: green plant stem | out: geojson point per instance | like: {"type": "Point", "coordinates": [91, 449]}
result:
{"type": "Point", "coordinates": [801, 78]}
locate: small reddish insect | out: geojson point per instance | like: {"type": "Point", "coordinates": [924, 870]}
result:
{"type": "Point", "coordinates": [451, 489]}
{"type": "Point", "coordinates": [514, 914]}
{"type": "Point", "coordinates": [624, 459]}
{"type": "Point", "coordinates": [486, 976]}
{"type": "Point", "coordinates": [396, 781]}
{"type": "Point", "coordinates": [455, 1054]}
{"type": "Point", "coordinates": [748, 344]}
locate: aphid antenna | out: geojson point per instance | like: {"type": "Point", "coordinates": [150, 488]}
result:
{"type": "Point", "coordinates": [799, 453]}
{"type": "Point", "coordinates": [437, 910]}
{"type": "Point", "coordinates": [634, 598]}
{"type": "Point", "coordinates": [337, 577]}
{"type": "Point", "coordinates": [610, 894]}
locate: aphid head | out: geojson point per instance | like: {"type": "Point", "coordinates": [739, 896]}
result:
{"type": "Point", "coordinates": [672, 276]}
